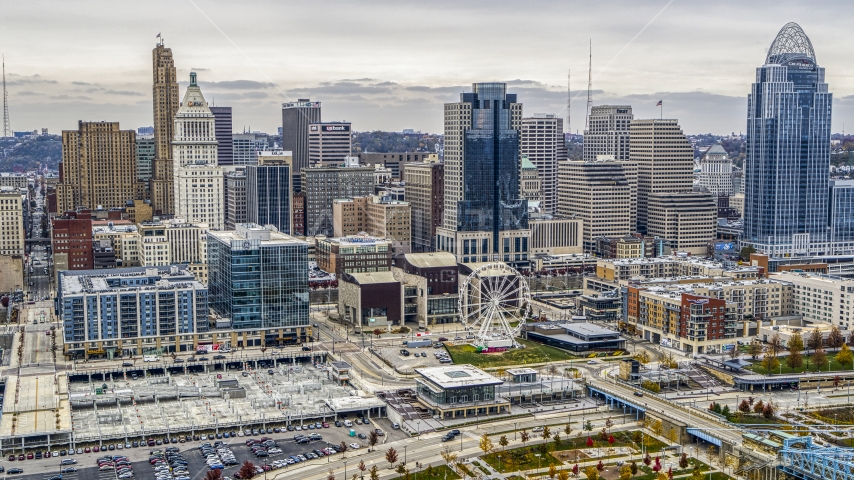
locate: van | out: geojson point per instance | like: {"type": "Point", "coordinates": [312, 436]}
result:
{"type": "Point", "coordinates": [348, 423]}
{"type": "Point", "coordinates": [395, 425]}
{"type": "Point", "coordinates": [150, 358]}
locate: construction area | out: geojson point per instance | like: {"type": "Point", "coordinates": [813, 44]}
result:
{"type": "Point", "coordinates": [157, 406]}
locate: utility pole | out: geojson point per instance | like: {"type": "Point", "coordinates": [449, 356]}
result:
{"type": "Point", "coordinates": [569, 102]}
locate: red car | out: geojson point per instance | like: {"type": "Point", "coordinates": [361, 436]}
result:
{"type": "Point", "coordinates": [96, 449]}
{"type": "Point", "coordinates": [11, 458]}
{"type": "Point", "coordinates": [30, 456]}
{"type": "Point", "coordinates": [325, 425]}
{"type": "Point", "coordinates": [87, 450]}
{"type": "Point", "coordinates": [22, 457]}
{"type": "Point", "coordinates": [46, 454]}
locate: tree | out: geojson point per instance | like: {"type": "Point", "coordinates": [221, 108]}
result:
{"type": "Point", "coordinates": [503, 442]}
{"type": "Point", "coordinates": [770, 362]}
{"type": "Point", "coordinates": [331, 475]}
{"type": "Point", "coordinates": [647, 460]}
{"type": "Point", "coordinates": [768, 410]}
{"type": "Point", "coordinates": [391, 456]}
{"type": "Point", "coordinates": [734, 352]}
{"type": "Point", "coordinates": [429, 471]}
{"type": "Point", "coordinates": [794, 360]}
{"type": "Point", "coordinates": [696, 474]}
{"type": "Point", "coordinates": [575, 469]}
{"type": "Point", "coordinates": [362, 467]}
{"type": "Point", "coordinates": [743, 407]}
{"type": "Point", "coordinates": [673, 435]}
{"type": "Point", "coordinates": [552, 471]}
{"type": "Point", "coordinates": [448, 455]}
{"type": "Point", "coordinates": [547, 433]}
{"type": "Point", "coordinates": [651, 386]}
{"type": "Point", "coordinates": [401, 469]}
{"type": "Point", "coordinates": [592, 473]}
{"type": "Point", "coordinates": [213, 475]}
{"type": "Point", "coordinates": [486, 444]}
{"type": "Point", "coordinates": [523, 435]}
{"type": "Point", "coordinates": [247, 470]}
{"type": "Point", "coordinates": [683, 461]}
{"type": "Point", "coordinates": [775, 344]}
{"type": "Point", "coordinates": [588, 426]}
{"type": "Point", "coordinates": [589, 442]}
{"type": "Point", "coordinates": [373, 439]}
{"type": "Point", "coordinates": [661, 476]}
{"type": "Point", "coordinates": [815, 340]}
{"type": "Point", "coordinates": [642, 357]}
{"type": "Point", "coordinates": [754, 349]}
{"type": "Point", "coordinates": [600, 466]}
{"type": "Point", "coordinates": [626, 472]}
{"type": "Point", "coordinates": [745, 252]}
{"type": "Point", "coordinates": [563, 475]}
{"type": "Point", "coordinates": [725, 411]}
{"type": "Point", "coordinates": [656, 427]}
{"type": "Point", "coordinates": [378, 332]}
{"type": "Point", "coordinates": [567, 429]}
{"type": "Point", "coordinates": [556, 440]}
{"type": "Point", "coordinates": [608, 424]}
{"type": "Point", "coordinates": [835, 339]}
{"type": "Point", "coordinates": [844, 356]}
{"type": "Point", "coordinates": [343, 449]}
{"type": "Point", "coordinates": [819, 358]}
{"type": "Point", "coordinates": [711, 452]}
{"type": "Point", "coordinates": [634, 467]}
{"type": "Point", "coordinates": [375, 474]}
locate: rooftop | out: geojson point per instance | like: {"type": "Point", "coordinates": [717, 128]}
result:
{"type": "Point", "coordinates": [367, 278]}
{"type": "Point", "coordinates": [128, 279]}
{"type": "Point", "coordinates": [428, 260]}
{"type": "Point", "coordinates": [356, 240]}
{"type": "Point", "coordinates": [457, 376]}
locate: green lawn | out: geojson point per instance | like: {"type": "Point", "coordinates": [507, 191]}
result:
{"type": "Point", "coordinates": [442, 472]}
{"type": "Point", "coordinates": [807, 366]}
{"type": "Point", "coordinates": [532, 353]}
{"type": "Point", "coordinates": [524, 458]}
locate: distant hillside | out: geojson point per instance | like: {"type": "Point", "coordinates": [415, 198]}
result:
{"type": "Point", "coordinates": [30, 152]}
{"type": "Point", "coordinates": [385, 142]}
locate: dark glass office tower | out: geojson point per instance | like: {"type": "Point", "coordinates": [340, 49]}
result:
{"type": "Point", "coordinates": [268, 195]}
{"type": "Point", "coordinates": [485, 220]}
{"type": "Point", "coordinates": [223, 132]}
{"type": "Point", "coordinates": [786, 170]}
{"type": "Point", "coordinates": [295, 119]}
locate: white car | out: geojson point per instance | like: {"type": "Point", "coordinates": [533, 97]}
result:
{"type": "Point", "coordinates": [355, 446]}
{"type": "Point", "coordinates": [537, 429]}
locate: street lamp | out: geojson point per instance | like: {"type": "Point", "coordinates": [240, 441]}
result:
{"type": "Point", "coordinates": [345, 469]}
{"type": "Point", "coordinates": [514, 431]}
{"type": "Point", "coordinates": [538, 460]}
{"type": "Point", "coordinates": [499, 463]}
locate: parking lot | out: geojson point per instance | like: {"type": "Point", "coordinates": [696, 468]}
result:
{"type": "Point", "coordinates": [417, 358]}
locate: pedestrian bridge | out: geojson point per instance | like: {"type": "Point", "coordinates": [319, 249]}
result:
{"type": "Point", "coordinates": [617, 402]}
{"type": "Point", "coordinates": [801, 458]}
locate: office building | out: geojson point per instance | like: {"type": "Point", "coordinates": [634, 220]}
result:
{"type": "Point", "coordinates": [198, 180]}
{"type": "Point", "coordinates": [459, 391]}
{"type": "Point", "coordinates": [11, 222]}
{"type": "Point", "coordinates": [530, 183]}
{"type": "Point", "coordinates": [235, 198]}
{"type": "Point", "coordinates": [632, 246]}
{"type": "Point", "coordinates": [14, 180]}
{"type": "Point", "coordinates": [71, 241]}
{"type": "Point", "coordinates": [425, 192]}
{"type": "Point", "coordinates": [608, 132]}
{"type": "Point", "coordinates": [485, 218]}
{"type": "Point", "coordinates": [542, 142]}
{"type": "Point", "coordinates": [396, 163]}
{"type": "Point", "coordinates": [378, 217]}
{"type": "Point", "coordinates": [142, 131]}
{"type": "Point", "coordinates": [269, 189]}
{"type": "Point", "coordinates": [131, 311]}
{"type": "Point", "coordinates": [258, 282]}
{"type": "Point", "coordinates": [173, 242]}
{"type": "Point", "coordinates": [430, 288]}
{"type": "Point", "coordinates": [353, 254]}
{"type": "Point", "coordinates": [329, 143]}
{"type": "Point", "coordinates": [716, 172]}
{"type": "Point", "coordinates": [687, 219]}
{"type": "Point", "coordinates": [841, 216]}
{"type": "Point", "coordinates": [166, 103]}
{"type": "Point", "coordinates": [298, 214]}
{"type": "Point", "coordinates": [665, 162]}
{"type": "Point", "coordinates": [598, 193]}
{"type": "Point", "coordinates": [370, 300]}
{"type": "Point", "coordinates": [556, 235]}
{"type": "Point", "coordinates": [124, 239]}
{"type": "Point", "coordinates": [321, 185]}
{"type": "Point", "coordinates": [247, 146]}
{"type": "Point", "coordinates": [296, 117]}
{"type": "Point", "coordinates": [224, 139]}
{"type": "Point", "coordinates": [787, 164]}
{"type": "Point", "coordinates": [145, 152]}
{"type": "Point", "coordinates": [98, 167]}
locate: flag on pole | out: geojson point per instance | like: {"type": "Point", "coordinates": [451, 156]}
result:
{"type": "Point", "coordinates": [158, 35]}
{"type": "Point", "coordinates": [658, 104]}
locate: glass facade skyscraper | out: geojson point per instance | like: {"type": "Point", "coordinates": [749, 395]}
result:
{"type": "Point", "coordinates": [258, 278]}
{"type": "Point", "coordinates": [268, 195]}
{"type": "Point", "coordinates": [786, 170]}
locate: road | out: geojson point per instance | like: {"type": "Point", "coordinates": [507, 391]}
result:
{"type": "Point", "coordinates": [39, 283]}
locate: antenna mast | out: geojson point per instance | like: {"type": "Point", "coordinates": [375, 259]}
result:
{"type": "Point", "coordinates": [589, 88]}
{"type": "Point", "coordinates": [7, 130]}
{"type": "Point", "coordinates": [568, 102]}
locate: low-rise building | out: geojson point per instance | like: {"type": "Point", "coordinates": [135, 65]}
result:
{"type": "Point", "coordinates": [130, 311]}
{"type": "Point", "coordinates": [430, 288]}
{"type": "Point", "coordinates": [668, 267]}
{"type": "Point", "coordinates": [370, 300]}
{"type": "Point", "coordinates": [353, 254]}
{"type": "Point", "coordinates": [576, 337]}
{"type": "Point", "coordinates": [459, 391]}
{"type": "Point", "coordinates": [124, 239]}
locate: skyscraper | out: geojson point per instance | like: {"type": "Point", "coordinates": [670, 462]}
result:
{"type": "Point", "coordinates": [716, 171]}
{"type": "Point", "coordinates": [268, 191]}
{"type": "Point", "coordinates": [222, 119]}
{"type": "Point", "coordinates": [485, 218]}
{"type": "Point", "coordinates": [665, 161]}
{"type": "Point", "coordinates": [296, 116]}
{"type": "Point", "coordinates": [329, 143]}
{"type": "Point", "coordinates": [198, 180]}
{"type": "Point", "coordinates": [165, 90]}
{"type": "Point", "coordinates": [543, 143]}
{"type": "Point", "coordinates": [608, 132]}
{"type": "Point", "coordinates": [425, 192]}
{"type": "Point", "coordinates": [322, 185]}
{"type": "Point", "coordinates": [786, 170]}
{"type": "Point", "coordinates": [144, 157]}
{"type": "Point", "coordinates": [98, 167]}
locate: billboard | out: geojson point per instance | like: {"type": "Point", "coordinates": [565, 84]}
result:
{"type": "Point", "coordinates": [724, 247]}
{"type": "Point", "coordinates": [336, 128]}
{"type": "Point", "coordinates": [211, 348]}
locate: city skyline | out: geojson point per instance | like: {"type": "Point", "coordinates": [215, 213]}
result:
{"type": "Point", "coordinates": [641, 54]}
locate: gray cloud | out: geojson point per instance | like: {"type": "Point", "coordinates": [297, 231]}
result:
{"type": "Point", "coordinates": [238, 84]}
{"type": "Point", "coordinates": [81, 83]}
{"type": "Point", "coordinates": [128, 93]}
{"type": "Point", "coordinates": [70, 97]}
{"type": "Point", "coordinates": [12, 79]}
{"type": "Point", "coordinates": [26, 93]}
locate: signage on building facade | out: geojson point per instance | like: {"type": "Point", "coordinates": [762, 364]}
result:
{"type": "Point", "coordinates": [301, 104]}
{"type": "Point", "coordinates": [336, 128]}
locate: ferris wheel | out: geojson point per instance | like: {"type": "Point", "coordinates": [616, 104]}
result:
{"type": "Point", "coordinates": [493, 297]}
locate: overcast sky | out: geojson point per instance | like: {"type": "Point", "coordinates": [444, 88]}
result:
{"type": "Point", "coordinates": [391, 65]}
